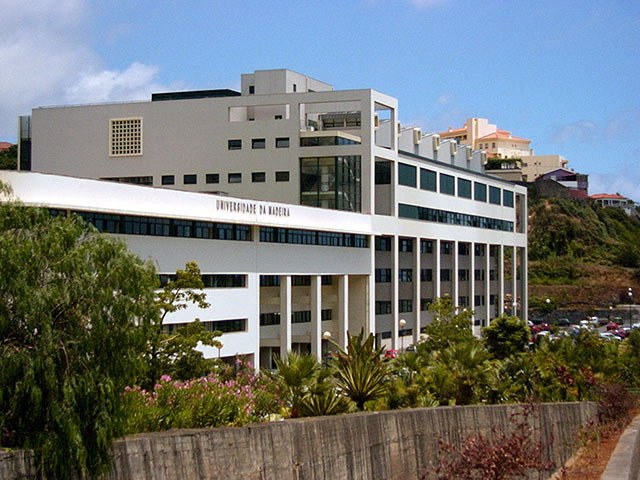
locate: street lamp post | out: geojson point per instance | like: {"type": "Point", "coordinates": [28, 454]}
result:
{"type": "Point", "coordinates": [402, 323]}
{"type": "Point", "coordinates": [630, 292]}
{"type": "Point", "coordinates": [326, 336]}
{"type": "Point", "coordinates": [548, 301]}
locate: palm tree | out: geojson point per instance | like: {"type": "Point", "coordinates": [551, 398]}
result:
{"type": "Point", "coordinates": [297, 373]}
{"type": "Point", "coordinates": [360, 371]}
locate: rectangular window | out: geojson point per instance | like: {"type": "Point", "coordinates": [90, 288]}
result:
{"type": "Point", "coordinates": [168, 179]}
{"type": "Point", "coordinates": [463, 275]}
{"type": "Point", "coordinates": [480, 192]}
{"type": "Point", "coordinates": [383, 275]}
{"type": "Point", "coordinates": [212, 178]}
{"type": "Point", "coordinates": [507, 198]}
{"type": "Point", "coordinates": [464, 188]}
{"type": "Point", "coordinates": [427, 180]}
{"type": "Point", "coordinates": [445, 275]}
{"type": "Point", "coordinates": [405, 305]}
{"type": "Point", "coordinates": [479, 275]}
{"type": "Point", "coordinates": [282, 176]}
{"type": "Point", "coordinates": [492, 275]}
{"type": "Point", "coordinates": [479, 250]}
{"type": "Point", "coordinates": [258, 177]}
{"type": "Point", "coordinates": [424, 304]}
{"type": "Point", "coordinates": [331, 182]}
{"type": "Point", "coordinates": [235, 178]}
{"type": "Point", "coordinates": [406, 175]}
{"type": "Point", "coordinates": [190, 179]}
{"type": "Point", "coordinates": [383, 244]}
{"type": "Point", "coordinates": [446, 248]}
{"type": "Point", "coordinates": [383, 172]}
{"type": "Point", "coordinates": [405, 275]}
{"type": "Point", "coordinates": [252, 89]}
{"type": "Point", "coordinates": [234, 144]}
{"type": "Point", "coordinates": [383, 307]}
{"type": "Point", "coordinates": [447, 184]}
{"type": "Point", "coordinates": [226, 326]}
{"type": "Point", "coordinates": [494, 195]}
{"type": "Point", "coordinates": [282, 142]}
{"type": "Point", "coordinates": [463, 301]}
{"type": "Point", "coordinates": [464, 249]}
{"type": "Point", "coordinates": [258, 143]}
{"type": "Point", "coordinates": [125, 137]}
{"type": "Point", "coordinates": [426, 246]}
{"type": "Point", "coordinates": [426, 275]}
{"type": "Point", "coordinates": [405, 245]}
{"type": "Point", "coordinates": [479, 300]}
{"type": "Point", "coordinates": [269, 319]}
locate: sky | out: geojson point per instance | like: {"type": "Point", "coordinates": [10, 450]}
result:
{"type": "Point", "coordinates": [564, 74]}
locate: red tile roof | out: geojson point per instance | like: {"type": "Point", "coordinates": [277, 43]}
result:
{"type": "Point", "coordinates": [608, 196]}
{"type": "Point", "coordinates": [499, 134]}
{"type": "Point", "coordinates": [5, 145]}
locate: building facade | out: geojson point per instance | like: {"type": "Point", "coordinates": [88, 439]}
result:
{"type": "Point", "coordinates": [374, 220]}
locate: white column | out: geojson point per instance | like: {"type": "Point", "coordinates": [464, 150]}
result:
{"type": "Point", "coordinates": [514, 281]}
{"type": "Point", "coordinates": [417, 290]}
{"type": "Point", "coordinates": [500, 269]}
{"type": "Point", "coordinates": [472, 284]}
{"type": "Point", "coordinates": [487, 282]}
{"type": "Point", "coordinates": [343, 310]}
{"type": "Point", "coordinates": [454, 275]}
{"type": "Point", "coordinates": [285, 315]}
{"type": "Point", "coordinates": [524, 284]}
{"type": "Point", "coordinates": [316, 316]}
{"type": "Point", "coordinates": [395, 293]}
{"type": "Point", "coordinates": [370, 321]}
{"type": "Point", "coordinates": [436, 267]}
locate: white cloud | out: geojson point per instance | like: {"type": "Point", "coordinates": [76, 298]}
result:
{"type": "Point", "coordinates": [427, 3]}
{"type": "Point", "coordinates": [627, 185]}
{"type": "Point", "coordinates": [581, 131]}
{"type": "Point", "coordinates": [443, 99]}
{"type": "Point", "coordinates": [45, 61]}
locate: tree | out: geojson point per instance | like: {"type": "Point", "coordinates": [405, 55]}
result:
{"type": "Point", "coordinates": [506, 336]}
{"type": "Point", "coordinates": [360, 371]}
{"type": "Point", "coordinates": [9, 158]}
{"type": "Point", "coordinates": [75, 311]}
{"type": "Point", "coordinates": [174, 353]}
{"type": "Point", "coordinates": [450, 325]}
{"type": "Point", "coordinates": [296, 373]}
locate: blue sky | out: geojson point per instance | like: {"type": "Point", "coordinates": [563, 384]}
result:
{"type": "Point", "coordinates": [564, 74]}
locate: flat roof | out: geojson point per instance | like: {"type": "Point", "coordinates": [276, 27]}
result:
{"type": "Point", "coordinates": [191, 94]}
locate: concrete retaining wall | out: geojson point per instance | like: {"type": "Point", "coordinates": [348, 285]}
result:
{"type": "Point", "coordinates": [624, 463]}
{"type": "Point", "coordinates": [399, 444]}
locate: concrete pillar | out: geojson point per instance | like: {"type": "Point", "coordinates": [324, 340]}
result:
{"type": "Point", "coordinates": [487, 282]}
{"type": "Point", "coordinates": [285, 315]}
{"type": "Point", "coordinates": [524, 285]}
{"type": "Point", "coordinates": [343, 310]}
{"type": "Point", "coordinates": [370, 321]}
{"type": "Point", "coordinates": [472, 285]}
{"type": "Point", "coordinates": [395, 293]}
{"type": "Point", "coordinates": [417, 290]}
{"type": "Point", "coordinates": [454, 275]}
{"type": "Point", "coordinates": [316, 316]}
{"type": "Point", "coordinates": [436, 268]}
{"type": "Point", "coordinates": [501, 277]}
{"type": "Point", "coordinates": [514, 281]}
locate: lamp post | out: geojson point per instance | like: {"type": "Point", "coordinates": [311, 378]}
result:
{"type": "Point", "coordinates": [630, 292]}
{"type": "Point", "coordinates": [548, 301]}
{"type": "Point", "coordinates": [610, 312]}
{"type": "Point", "coordinates": [402, 323]}
{"type": "Point", "coordinates": [326, 336]}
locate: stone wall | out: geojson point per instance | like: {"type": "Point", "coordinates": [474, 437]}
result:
{"type": "Point", "coordinates": [399, 444]}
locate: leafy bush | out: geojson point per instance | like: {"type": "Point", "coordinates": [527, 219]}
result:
{"type": "Point", "coordinates": [615, 405]}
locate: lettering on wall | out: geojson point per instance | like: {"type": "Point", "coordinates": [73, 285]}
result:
{"type": "Point", "coordinates": [252, 208]}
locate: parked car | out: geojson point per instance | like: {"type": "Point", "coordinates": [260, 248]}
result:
{"type": "Point", "coordinates": [562, 322]}
{"type": "Point", "coordinates": [621, 333]}
{"type": "Point", "coordinates": [608, 336]}
{"type": "Point", "coordinates": [612, 326]}
{"type": "Point", "coordinates": [543, 327]}
{"type": "Point", "coordinates": [389, 354]}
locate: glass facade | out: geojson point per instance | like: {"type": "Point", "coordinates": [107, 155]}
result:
{"type": "Point", "coordinates": [464, 188]}
{"type": "Point", "coordinates": [452, 218]}
{"type": "Point", "coordinates": [406, 175]}
{"type": "Point", "coordinates": [428, 180]}
{"type": "Point", "coordinates": [447, 184]}
{"type": "Point", "coordinates": [331, 182]}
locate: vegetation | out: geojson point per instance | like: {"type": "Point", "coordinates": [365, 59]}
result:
{"type": "Point", "coordinates": [9, 158]}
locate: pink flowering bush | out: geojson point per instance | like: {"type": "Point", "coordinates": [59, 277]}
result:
{"type": "Point", "coordinates": [218, 399]}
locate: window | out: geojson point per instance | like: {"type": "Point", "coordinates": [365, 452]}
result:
{"type": "Point", "coordinates": [258, 143]}
{"type": "Point", "coordinates": [383, 244]}
{"type": "Point", "coordinates": [424, 304]}
{"type": "Point", "coordinates": [331, 182]}
{"type": "Point", "coordinates": [405, 245]}
{"type": "Point", "coordinates": [464, 188]}
{"type": "Point", "coordinates": [383, 172]}
{"type": "Point", "coordinates": [383, 307]}
{"type": "Point", "coordinates": [134, 180]}
{"type": "Point", "coordinates": [507, 198]}
{"type": "Point", "coordinates": [168, 179]}
{"type": "Point", "coordinates": [452, 218]}
{"type": "Point", "coordinates": [493, 145]}
{"type": "Point", "coordinates": [282, 176]}
{"type": "Point", "coordinates": [426, 275]}
{"type": "Point", "coordinates": [269, 319]}
{"type": "Point", "coordinates": [494, 195]}
{"type": "Point", "coordinates": [406, 175]}
{"type": "Point", "coordinates": [446, 248]}
{"type": "Point", "coordinates": [447, 184]}
{"type": "Point", "coordinates": [445, 275]}
{"type": "Point", "coordinates": [212, 178]}
{"type": "Point", "coordinates": [303, 316]}
{"type": "Point", "coordinates": [282, 142]}
{"type": "Point", "coordinates": [326, 314]}
{"type": "Point", "coordinates": [235, 178]}
{"type": "Point", "coordinates": [463, 275]}
{"type": "Point", "coordinates": [405, 305]}
{"type": "Point", "coordinates": [258, 177]}
{"type": "Point", "coordinates": [464, 249]}
{"type": "Point", "coordinates": [479, 275]}
{"type": "Point", "coordinates": [479, 250]}
{"type": "Point", "coordinates": [427, 180]}
{"type": "Point", "coordinates": [479, 300]}
{"type": "Point", "coordinates": [234, 144]}
{"type": "Point", "coordinates": [463, 301]}
{"type": "Point", "coordinates": [252, 89]}
{"type": "Point", "coordinates": [327, 141]}
{"type": "Point", "coordinates": [190, 179]}
{"type": "Point", "coordinates": [211, 280]}
{"type": "Point", "coordinates": [406, 275]}
{"type": "Point", "coordinates": [492, 275]}
{"type": "Point", "coordinates": [480, 192]}
{"type": "Point", "coordinates": [301, 280]}
{"type": "Point", "coordinates": [125, 137]}
{"type": "Point", "coordinates": [383, 275]}
{"type": "Point", "coordinates": [269, 280]}
{"type": "Point", "coordinates": [426, 246]}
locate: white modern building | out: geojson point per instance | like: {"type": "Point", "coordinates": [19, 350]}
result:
{"type": "Point", "coordinates": [308, 210]}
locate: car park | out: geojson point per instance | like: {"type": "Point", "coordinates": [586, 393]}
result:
{"type": "Point", "coordinates": [562, 322]}
{"type": "Point", "coordinates": [612, 326]}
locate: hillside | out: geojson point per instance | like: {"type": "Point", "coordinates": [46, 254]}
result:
{"type": "Point", "coordinates": [581, 255]}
